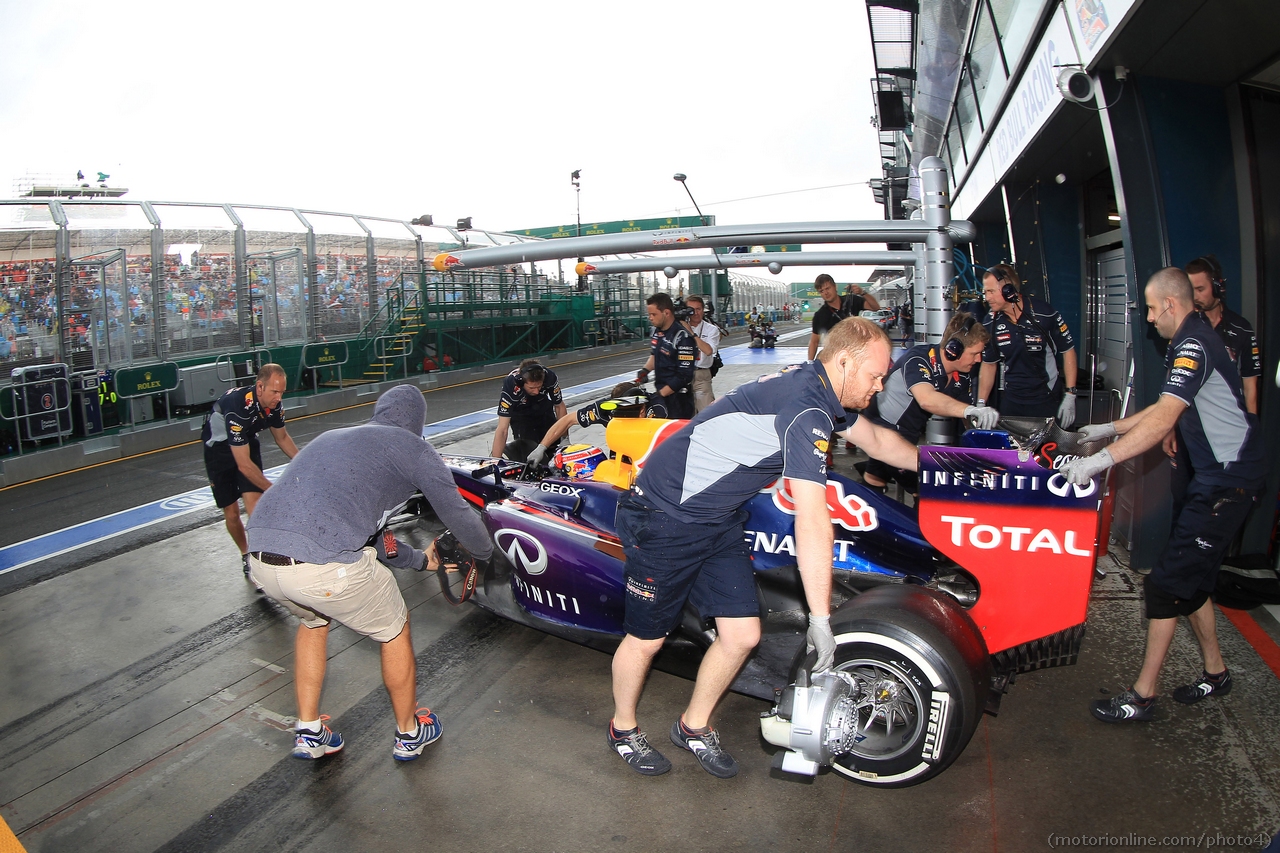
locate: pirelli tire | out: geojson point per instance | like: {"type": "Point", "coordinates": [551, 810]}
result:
{"type": "Point", "coordinates": [929, 664]}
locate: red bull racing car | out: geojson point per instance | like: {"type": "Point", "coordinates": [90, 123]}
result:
{"type": "Point", "coordinates": [940, 606]}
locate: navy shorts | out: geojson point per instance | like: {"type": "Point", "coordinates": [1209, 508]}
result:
{"type": "Point", "coordinates": [1205, 524]}
{"type": "Point", "coordinates": [225, 479]}
{"type": "Point", "coordinates": [670, 561]}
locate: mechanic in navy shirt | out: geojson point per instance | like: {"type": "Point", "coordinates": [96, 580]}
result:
{"type": "Point", "coordinates": [530, 404]}
{"type": "Point", "coordinates": [1203, 396]}
{"type": "Point", "coordinates": [835, 308]}
{"type": "Point", "coordinates": [673, 358]}
{"type": "Point", "coordinates": [1027, 335]}
{"type": "Point", "coordinates": [931, 379]}
{"type": "Point", "coordinates": [232, 455]}
{"type": "Point", "coordinates": [1210, 287]}
{"type": "Point", "coordinates": [681, 528]}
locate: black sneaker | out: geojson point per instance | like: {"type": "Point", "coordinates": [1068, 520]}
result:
{"type": "Point", "coordinates": [1208, 685]}
{"type": "Point", "coordinates": [706, 746]}
{"type": "Point", "coordinates": [1128, 706]}
{"type": "Point", "coordinates": [634, 749]}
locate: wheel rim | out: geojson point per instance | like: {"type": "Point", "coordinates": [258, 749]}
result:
{"type": "Point", "coordinates": [886, 710]}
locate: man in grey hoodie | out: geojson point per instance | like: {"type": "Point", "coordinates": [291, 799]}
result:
{"type": "Point", "coordinates": [307, 549]}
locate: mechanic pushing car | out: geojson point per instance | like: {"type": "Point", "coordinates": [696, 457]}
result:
{"type": "Point", "coordinates": [1204, 397]}
{"type": "Point", "coordinates": [529, 405]}
{"type": "Point", "coordinates": [931, 379]}
{"type": "Point", "coordinates": [625, 400]}
{"type": "Point", "coordinates": [681, 527]}
{"type": "Point", "coordinates": [309, 551]}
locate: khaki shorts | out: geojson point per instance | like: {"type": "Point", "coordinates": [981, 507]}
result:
{"type": "Point", "coordinates": [362, 595]}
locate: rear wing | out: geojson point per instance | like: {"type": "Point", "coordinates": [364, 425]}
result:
{"type": "Point", "coordinates": [1027, 536]}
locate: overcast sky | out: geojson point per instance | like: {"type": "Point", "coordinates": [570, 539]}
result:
{"type": "Point", "coordinates": [454, 109]}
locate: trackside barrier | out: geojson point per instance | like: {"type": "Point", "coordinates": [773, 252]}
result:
{"type": "Point", "coordinates": [160, 378]}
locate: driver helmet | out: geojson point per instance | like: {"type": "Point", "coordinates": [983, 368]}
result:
{"type": "Point", "coordinates": [579, 461]}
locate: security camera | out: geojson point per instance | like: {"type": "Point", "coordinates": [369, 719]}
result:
{"type": "Point", "coordinates": [775, 267]}
{"type": "Point", "coordinates": [1075, 85]}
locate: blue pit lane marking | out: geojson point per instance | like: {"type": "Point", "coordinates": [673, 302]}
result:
{"type": "Point", "coordinates": [43, 547]}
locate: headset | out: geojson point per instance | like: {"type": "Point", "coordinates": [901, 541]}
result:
{"type": "Point", "coordinates": [526, 371]}
{"type": "Point", "coordinates": [1009, 290]}
{"type": "Point", "coordinates": [1217, 281]}
{"type": "Point", "coordinates": [955, 347]}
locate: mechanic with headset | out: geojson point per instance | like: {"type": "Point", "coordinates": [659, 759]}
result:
{"type": "Point", "coordinates": [1203, 396]}
{"type": "Point", "coordinates": [1210, 289]}
{"type": "Point", "coordinates": [931, 379]}
{"type": "Point", "coordinates": [232, 454]}
{"type": "Point", "coordinates": [672, 359]}
{"type": "Point", "coordinates": [681, 528]}
{"type": "Point", "coordinates": [310, 549]}
{"type": "Point", "coordinates": [1027, 335]}
{"type": "Point", "coordinates": [529, 405]}
{"type": "Point", "coordinates": [625, 400]}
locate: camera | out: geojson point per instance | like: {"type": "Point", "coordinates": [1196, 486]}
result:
{"type": "Point", "coordinates": [683, 311]}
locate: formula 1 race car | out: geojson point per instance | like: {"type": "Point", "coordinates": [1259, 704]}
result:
{"type": "Point", "coordinates": [937, 608]}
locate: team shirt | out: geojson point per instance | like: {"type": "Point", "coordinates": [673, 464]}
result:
{"type": "Point", "coordinates": [1028, 348]}
{"type": "Point", "coordinates": [1242, 343]}
{"type": "Point", "coordinates": [674, 356]}
{"type": "Point", "coordinates": [236, 420]}
{"type": "Point", "coordinates": [826, 317]}
{"type": "Point", "coordinates": [1223, 440]}
{"type": "Point", "coordinates": [920, 365]}
{"type": "Point", "coordinates": [778, 425]}
{"type": "Point", "coordinates": [516, 403]}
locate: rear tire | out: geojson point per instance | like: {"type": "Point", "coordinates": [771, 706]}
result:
{"type": "Point", "coordinates": [924, 665]}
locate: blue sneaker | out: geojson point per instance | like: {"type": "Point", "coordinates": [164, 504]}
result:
{"type": "Point", "coordinates": [312, 745]}
{"type": "Point", "coordinates": [409, 747]}
{"type": "Point", "coordinates": [705, 745]}
{"type": "Point", "coordinates": [1125, 707]}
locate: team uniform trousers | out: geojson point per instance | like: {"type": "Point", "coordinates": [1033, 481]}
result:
{"type": "Point", "coordinates": [1205, 521]}
{"type": "Point", "coordinates": [669, 562]}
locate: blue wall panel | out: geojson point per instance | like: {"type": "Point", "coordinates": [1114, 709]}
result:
{"type": "Point", "coordinates": [1192, 143]}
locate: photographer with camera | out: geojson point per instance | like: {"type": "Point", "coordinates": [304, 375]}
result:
{"type": "Point", "coordinates": [706, 335]}
{"type": "Point", "coordinates": [672, 359]}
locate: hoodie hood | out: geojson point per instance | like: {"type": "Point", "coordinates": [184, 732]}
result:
{"type": "Point", "coordinates": [402, 406]}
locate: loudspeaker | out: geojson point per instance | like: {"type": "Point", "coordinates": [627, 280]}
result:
{"type": "Point", "coordinates": [892, 110]}
{"type": "Point", "coordinates": [1075, 85]}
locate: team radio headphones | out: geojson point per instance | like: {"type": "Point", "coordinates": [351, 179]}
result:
{"type": "Point", "coordinates": [954, 347]}
{"type": "Point", "coordinates": [1216, 278]}
{"type": "Point", "coordinates": [1007, 278]}
{"type": "Point", "coordinates": [528, 370]}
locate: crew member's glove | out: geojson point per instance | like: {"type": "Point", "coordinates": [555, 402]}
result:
{"type": "Point", "coordinates": [538, 456]}
{"type": "Point", "coordinates": [642, 376]}
{"type": "Point", "coordinates": [1097, 432]}
{"type": "Point", "coordinates": [984, 416]}
{"type": "Point", "coordinates": [1067, 410]}
{"type": "Point", "coordinates": [821, 639]}
{"type": "Point", "coordinates": [1085, 468]}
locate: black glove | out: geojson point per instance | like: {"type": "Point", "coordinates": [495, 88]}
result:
{"type": "Point", "coordinates": [642, 376]}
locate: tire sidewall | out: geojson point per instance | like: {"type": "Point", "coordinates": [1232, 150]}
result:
{"type": "Point", "coordinates": [929, 674]}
